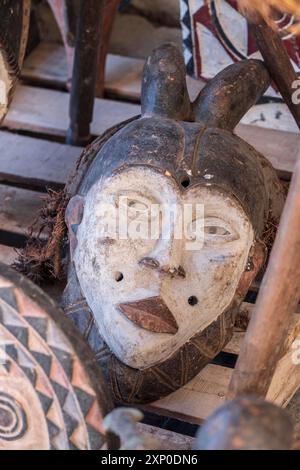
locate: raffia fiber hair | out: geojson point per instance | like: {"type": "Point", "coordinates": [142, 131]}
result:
{"type": "Point", "coordinates": [266, 9]}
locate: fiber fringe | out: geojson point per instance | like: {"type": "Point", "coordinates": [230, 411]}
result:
{"type": "Point", "coordinates": [267, 9]}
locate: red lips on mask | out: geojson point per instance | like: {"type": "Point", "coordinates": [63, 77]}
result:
{"type": "Point", "coordinates": [151, 314]}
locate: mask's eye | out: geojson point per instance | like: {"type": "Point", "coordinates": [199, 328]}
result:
{"type": "Point", "coordinates": [137, 207]}
{"type": "Point", "coordinates": [217, 231]}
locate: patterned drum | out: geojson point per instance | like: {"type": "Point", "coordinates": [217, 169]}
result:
{"type": "Point", "coordinates": [52, 394]}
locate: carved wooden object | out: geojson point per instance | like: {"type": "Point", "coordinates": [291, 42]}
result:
{"type": "Point", "coordinates": [109, 14]}
{"type": "Point", "coordinates": [176, 151]}
{"type": "Point", "coordinates": [52, 395]}
{"type": "Point", "coordinates": [278, 63]}
{"type": "Point", "coordinates": [247, 423]}
{"type": "Point", "coordinates": [14, 24]}
{"type": "Point", "coordinates": [278, 297]}
{"type": "Point", "coordinates": [85, 71]}
{"type": "Point", "coordinates": [59, 8]}
{"type": "Point", "coordinates": [85, 28]}
{"type": "Point", "coordinates": [66, 14]}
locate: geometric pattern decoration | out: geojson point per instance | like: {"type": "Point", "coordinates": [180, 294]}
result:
{"type": "Point", "coordinates": [131, 386]}
{"type": "Point", "coordinates": [215, 34]}
{"type": "Point", "coordinates": [52, 394]}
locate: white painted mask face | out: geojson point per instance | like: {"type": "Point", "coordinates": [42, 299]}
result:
{"type": "Point", "coordinates": [196, 285]}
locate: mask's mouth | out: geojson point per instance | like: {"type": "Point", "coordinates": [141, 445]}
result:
{"type": "Point", "coordinates": [151, 314]}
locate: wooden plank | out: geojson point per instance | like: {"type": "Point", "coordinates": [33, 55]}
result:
{"type": "Point", "coordinates": [168, 439]}
{"type": "Point", "coordinates": [46, 66]}
{"type": "Point", "coordinates": [233, 347]}
{"type": "Point", "coordinates": [201, 396]}
{"type": "Point", "coordinates": [7, 254]}
{"type": "Point", "coordinates": [47, 111]}
{"type": "Point", "coordinates": [195, 401]}
{"type": "Point", "coordinates": [18, 209]}
{"type": "Point", "coordinates": [286, 381]}
{"type": "Point", "coordinates": [281, 148]}
{"type": "Point", "coordinates": [35, 163]}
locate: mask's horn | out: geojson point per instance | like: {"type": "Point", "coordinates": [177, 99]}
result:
{"type": "Point", "coordinates": [164, 90]}
{"type": "Point", "coordinates": [226, 99]}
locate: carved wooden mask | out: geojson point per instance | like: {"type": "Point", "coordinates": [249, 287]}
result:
{"type": "Point", "coordinates": [14, 25]}
{"type": "Point", "coordinates": [160, 308]}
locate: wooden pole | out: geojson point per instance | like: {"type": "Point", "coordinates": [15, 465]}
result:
{"type": "Point", "coordinates": [278, 63]}
{"type": "Point", "coordinates": [85, 67]}
{"type": "Point", "coordinates": [65, 12]}
{"type": "Point", "coordinates": [109, 14]}
{"type": "Point", "coordinates": [59, 11]}
{"type": "Point", "coordinates": [277, 299]}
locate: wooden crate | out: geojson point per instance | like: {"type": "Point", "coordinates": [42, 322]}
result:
{"type": "Point", "coordinates": [34, 157]}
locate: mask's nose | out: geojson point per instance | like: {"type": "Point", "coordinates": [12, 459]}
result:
{"type": "Point", "coordinates": [166, 258]}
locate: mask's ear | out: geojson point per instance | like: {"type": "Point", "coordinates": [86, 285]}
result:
{"type": "Point", "coordinates": [164, 90]}
{"type": "Point", "coordinates": [230, 94]}
{"type": "Point", "coordinates": [256, 261]}
{"type": "Point", "coordinates": [73, 217]}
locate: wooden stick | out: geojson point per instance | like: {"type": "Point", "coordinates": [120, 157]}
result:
{"type": "Point", "coordinates": [85, 71]}
{"type": "Point", "coordinates": [278, 63]}
{"type": "Point", "coordinates": [65, 22]}
{"type": "Point", "coordinates": [109, 14]}
{"type": "Point", "coordinates": [59, 10]}
{"type": "Point", "coordinates": [277, 299]}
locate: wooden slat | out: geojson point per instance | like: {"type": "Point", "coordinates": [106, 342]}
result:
{"type": "Point", "coordinates": [233, 347]}
{"type": "Point", "coordinates": [7, 255]}
{"type": "Point", "coordinates": [46, 111]}
{"type": "Point", "coordinates": [46, 66]}
{"type": "Point", "coordinates": [168, 439]}
{"type": "Point", "coordinates": [18, 209]}
{"type": "Point", "coordinates": [195, 401]}
{"type": "Point", "coordinates": [201, 396]}
{"type": "Point", "coordinates": [35, 163]}
{"type": "Point", "coordinates": [281, 148]}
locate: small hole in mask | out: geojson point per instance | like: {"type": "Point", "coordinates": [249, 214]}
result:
{"type": "Point", "coordinates": [192, 300]}
{"type": "Point", "coordinates": [185, 182]}
{"type": "Point", "coordinates": [119, 277]}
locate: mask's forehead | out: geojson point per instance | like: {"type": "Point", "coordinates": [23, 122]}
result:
{"type": "Point", "coordinates": [143, 180]}
{"type": "Point", "coordinates": [145, 188]}
{"type": "Point", "coordinates": [225, 161]}
{"type": "Point", "coordinates": [217, 202]}
{"type": "Point", "coordinates": [139, 181]}
{"type": "Point", "coordinates": [162, 143]}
